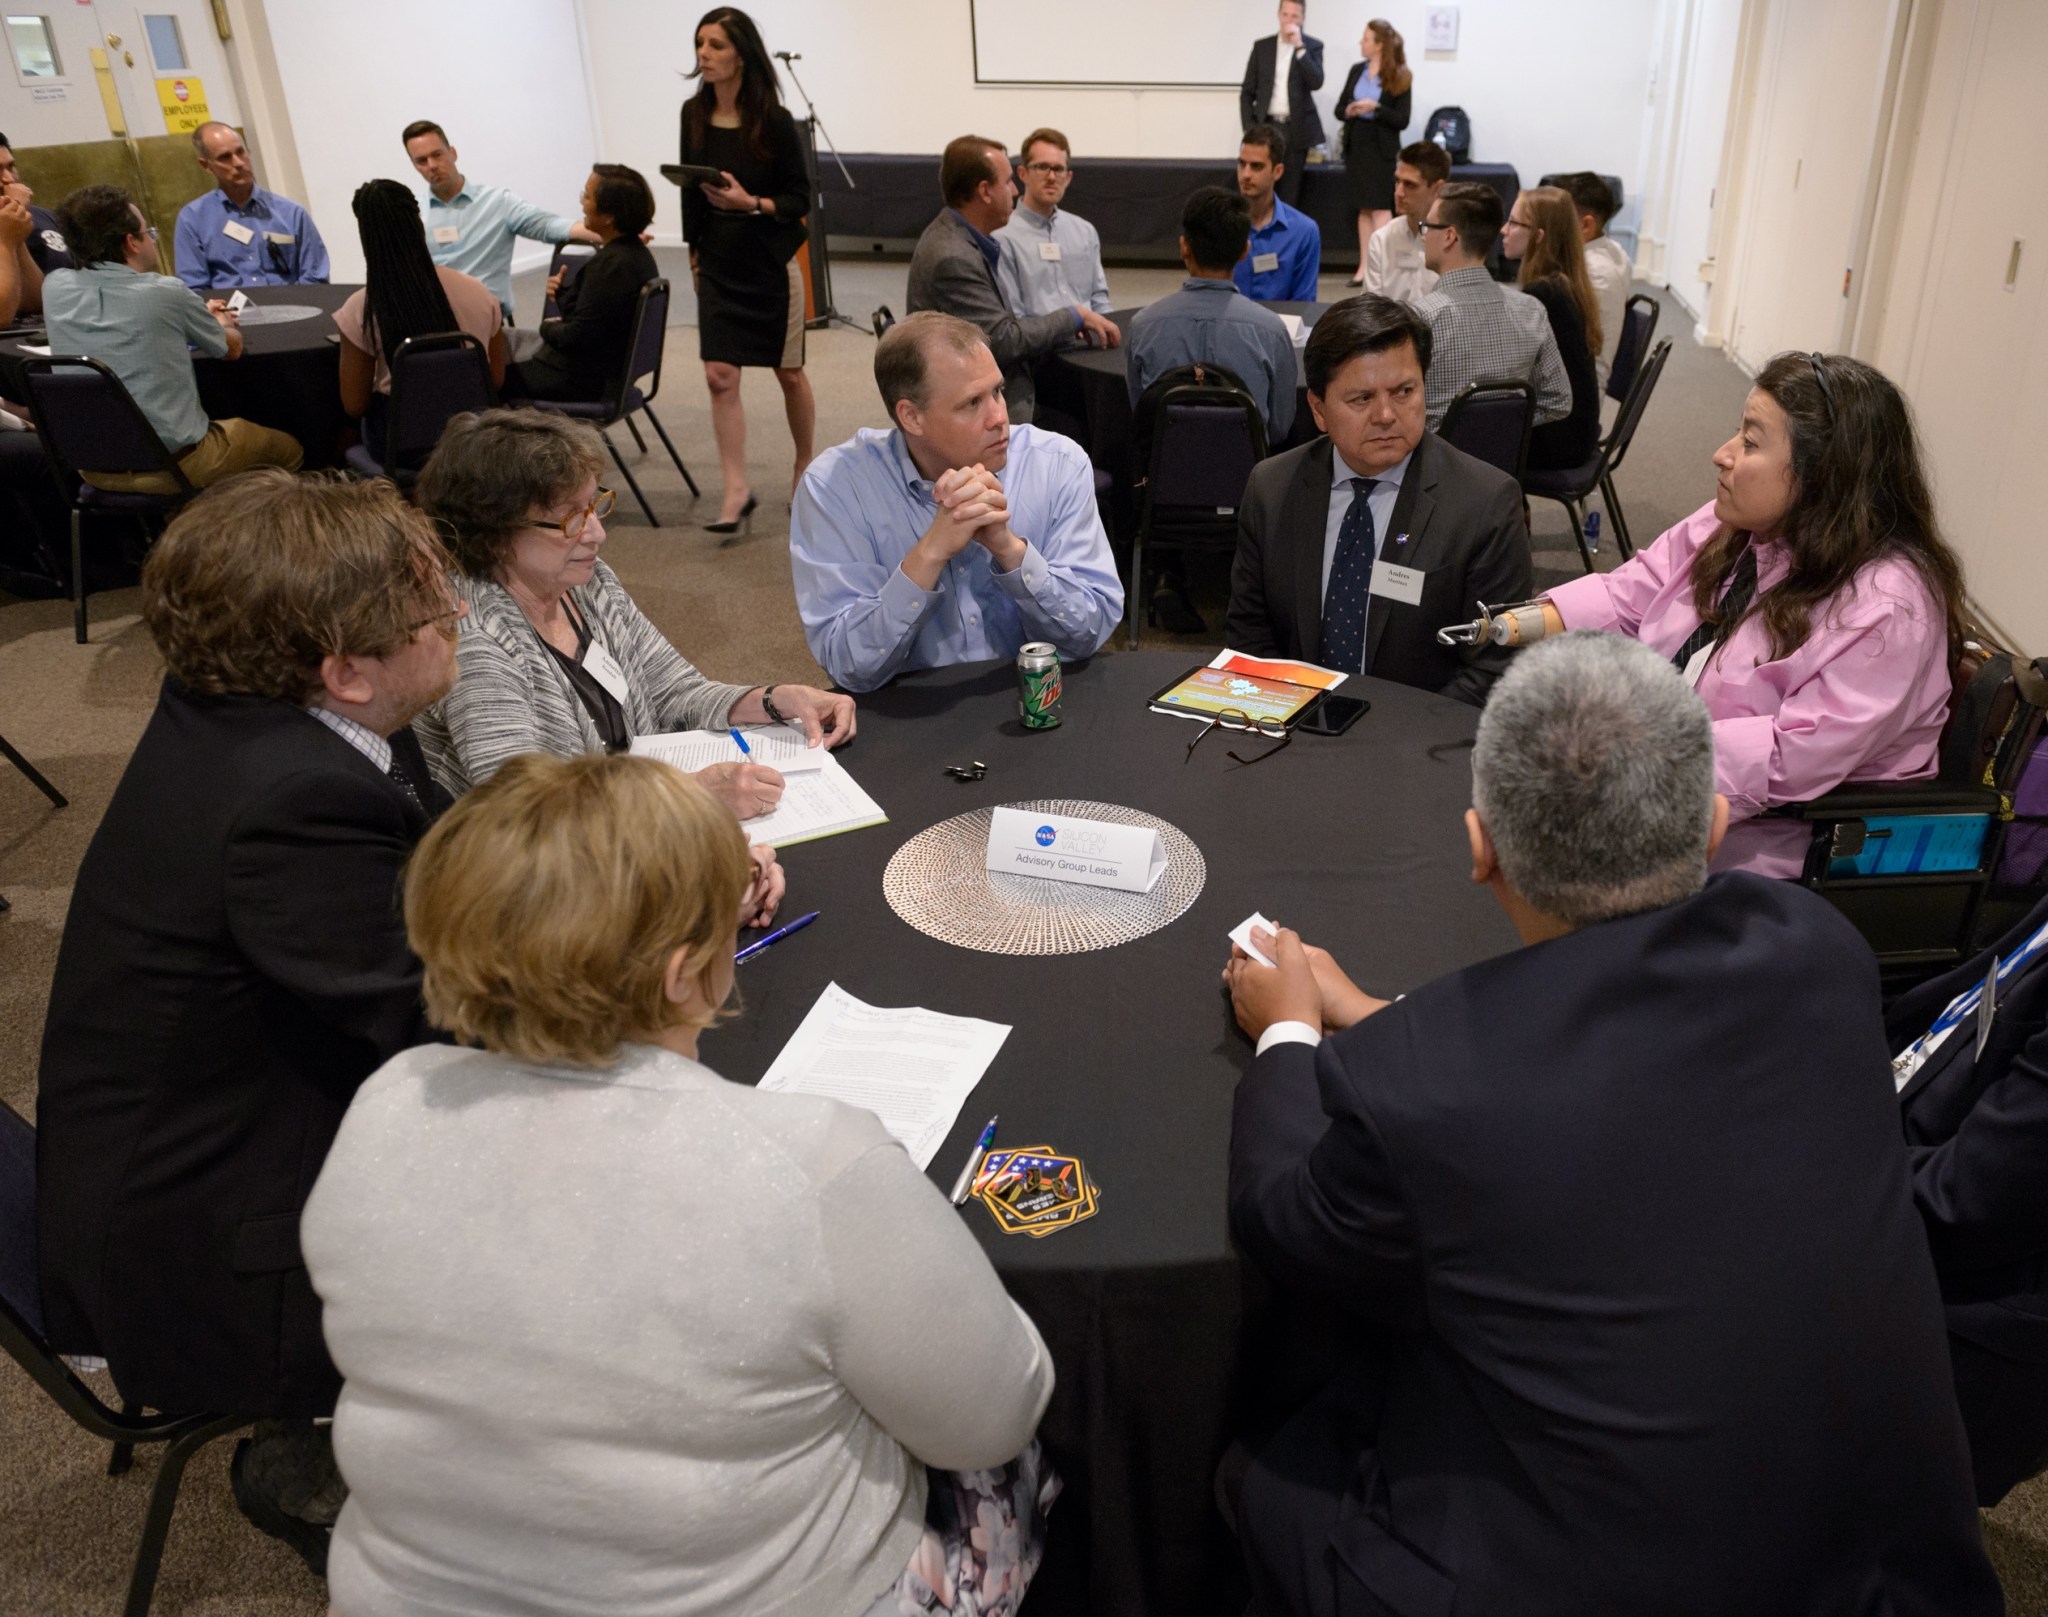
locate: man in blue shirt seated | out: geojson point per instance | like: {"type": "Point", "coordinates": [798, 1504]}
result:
{"type": "Point", "coordinates": [1207, 322]}
{"type": "Point", "coordinates": [144, 327]}
{"type": "Point", "coordinates": [955, 537]}
{"type": "Point", "coordinates": [471, 228]}
{"type": "Point", "coordinates": [1052, 259]}
{"type": "Point", "coordinates": [1286, 248]}
{"type": "Point", "coordinates": [239, 234]}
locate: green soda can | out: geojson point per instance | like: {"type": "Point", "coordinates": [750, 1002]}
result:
{"type": "Point", "coordinates": [1038, 685]}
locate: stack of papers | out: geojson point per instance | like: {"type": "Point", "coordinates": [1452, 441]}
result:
{"type": "Point", "coordinates": [914, 1069]}
{"type": "Point", "coordinates": [1312, 675]}
{"type": "Point", "coordinates": [819, 798]}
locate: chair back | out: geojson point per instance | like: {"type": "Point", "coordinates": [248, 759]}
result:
{"type": "Point", "coordinates": [91, 423]}
{"type": "Point", "coordinates": [1491, 421]}
{"type": "Point", "coordinates": [569, 260]}
{"type": "Point", "coordinates": [1198, 433]}
{"type": "Point", "coordinates": [1638, 326]}
{"type": "Point", "coordinates": [1994, 716]}
{"type": "Point", "coordinates": [434, 378]}
{"type": "Point", "coordinates": [650, 336]}
{"type": "Point", "coordinates": [1632, 407]}
{"type": "Point", "coordinates": [20, 1275]}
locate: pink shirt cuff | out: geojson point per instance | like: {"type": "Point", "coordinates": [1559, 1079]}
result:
{"type": "Point", "coordinates": [1743, 751]}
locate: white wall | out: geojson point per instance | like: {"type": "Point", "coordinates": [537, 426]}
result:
{"type": "Point", "coordinates": [506, 81]}
{"type": "Point", "coordinates": [1544, 92]}
{"type": "Point", "coordinates": [1696, 67]}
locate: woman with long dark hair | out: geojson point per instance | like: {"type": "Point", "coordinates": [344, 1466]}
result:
{"type": "Point", "coordinates": [1375, 107]}
{"type": "Point", "coordinates": [1542, 231]}
{"type": "Point", "coordinates": [404, 295]}
{"type": "Point", "coordinates": [1814, 604]}
{"type": "Point", "coordinates": [743, 236]}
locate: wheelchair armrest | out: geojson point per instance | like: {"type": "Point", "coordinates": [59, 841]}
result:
{"type": "Point", "coordinates": [1862, 799]}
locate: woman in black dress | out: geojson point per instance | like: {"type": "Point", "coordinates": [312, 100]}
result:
{"type": "Point", "coordinates": [1373, 110]}
{"type": "Point", "coordinates": [743, 238]}
{"type": "Point", "coordinates": [1543, 232]}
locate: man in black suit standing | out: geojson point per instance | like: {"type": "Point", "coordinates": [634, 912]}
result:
{"type": "Point", "coordinates": [1974, 1099]}
{"type": "Point", "coordinates": [235, 963]}
{"type": "Point", "coordinates": [1281, 77]}
{"type": "Point", "coordinates": [1353, 550]}
{"type": "Point", "coordinates": [1620, 1221]}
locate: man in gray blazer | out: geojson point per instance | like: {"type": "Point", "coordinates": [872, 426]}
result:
{"type": "Point", "coordinates": [1353, 550]}
{"type": "Point", "coordinates": [953, 270]}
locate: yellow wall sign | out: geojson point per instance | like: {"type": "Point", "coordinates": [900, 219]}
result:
{"type": "Point", "coordinates": [184, 104]}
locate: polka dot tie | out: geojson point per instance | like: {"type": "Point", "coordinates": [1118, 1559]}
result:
{"type": "Point", "coordinates": [1349, 591]}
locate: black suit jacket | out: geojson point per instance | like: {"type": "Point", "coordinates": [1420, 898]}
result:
{"type": "Point", "coordinates": [582, 351]}
{"type": "Point", "coordinates": [1463, 521]}
{"type": "Point", "coordinates": [1379, 130]}
{"type": "Point", "coordinates": [1977, 1130]}
{"type": "Point", "coordinates": [233, 966]}
{"type": "Point", "coordinates": [1660, 1330]}
{"type": "Point", "coordinates": [1304, 78]}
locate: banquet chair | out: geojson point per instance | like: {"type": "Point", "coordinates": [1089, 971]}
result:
{"type": "Point", "coordinates": [1198, 433]}
{"type": "Point", "coordinates": [569, 260]}
{"type": "Point", "coordinates": [1491, 421]}
{"type": "Point", "coordinates": [1572, 486]}
{"type": "Point", "coordinates": [1638, 326]}
{"type": "Point", "coordinates": [624, 397]}
{"type": "Point", "coordinates": [434, 378]}
{"type": "Point", "coordinates": [90, 423]}
{"type": "Point", "coordinates": [21, 1335]}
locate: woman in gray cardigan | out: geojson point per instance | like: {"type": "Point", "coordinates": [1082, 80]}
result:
{"type": "Point", "coordinates": [553, 655]}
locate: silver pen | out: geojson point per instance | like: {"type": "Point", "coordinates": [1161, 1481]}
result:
{"type": "Point", "coordinates": [965, 1182]}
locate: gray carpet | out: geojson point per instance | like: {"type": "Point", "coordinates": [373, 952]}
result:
{"type": "Point", "coordinates": [67, 1531]}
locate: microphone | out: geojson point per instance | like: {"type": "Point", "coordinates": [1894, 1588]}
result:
{"type": "Point", "coordinates": [789, 56]}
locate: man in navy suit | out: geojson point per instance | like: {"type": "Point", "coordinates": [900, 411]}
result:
{"type": "Point", "coordinates": [1976, 1117]}
{"type": "Point", "coordinates": [1621, 1221]}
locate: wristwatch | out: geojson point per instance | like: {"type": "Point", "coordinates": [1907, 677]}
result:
{"type": "Point", "coordinates": [775, 714]}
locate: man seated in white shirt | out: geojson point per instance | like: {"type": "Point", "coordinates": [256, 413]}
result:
{"type": "Point", "coordinates": [1051, 259]}
{"type": "Point", "coordinates": [1393, 257]}
{"type": "Point", "coordinates": [1607, 262]}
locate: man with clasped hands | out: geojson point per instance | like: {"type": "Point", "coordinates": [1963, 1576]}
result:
{"type": "Point", "coordinates": [1621, 1231]}
{"type": "Point", "coordinates": [955, 537]}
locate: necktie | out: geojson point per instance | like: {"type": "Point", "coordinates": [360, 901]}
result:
{"type": "Point", "coordinates": [1347, 594]}
{"type": "Point", "coordinates": [1734, 602]}
{"type": "Point", "coordinates": [403, 782]}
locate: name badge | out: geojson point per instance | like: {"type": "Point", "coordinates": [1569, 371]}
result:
{"type": "Point", "coordinates": [1398, 583]}
{"type": "Point", "coordinates": [237, 232]}
{"type": "Point", "coordinates": [601, 666]}
{"type": "Point", "coordinates": [446, 235]}
{"type": "Point", "coordinates": [1060, 847]}
{"type": "Point", "coordinates": [1049, 251]}
{"type": "Point", "coordinates": [1696, 664]}
{"type": "Point", "coordinates": [1265, 263]}
{"type": "Point", "coordinates": [282, 238]}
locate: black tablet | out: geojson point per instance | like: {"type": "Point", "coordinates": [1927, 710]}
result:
{"type": "Point", "coordinates": [1202, 693]}
{"type": "Point", "coordinates": [688, 174]}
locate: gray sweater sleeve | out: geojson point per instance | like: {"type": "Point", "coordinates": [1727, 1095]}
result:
{"type": "Point", "coordinates": [921, 1331]}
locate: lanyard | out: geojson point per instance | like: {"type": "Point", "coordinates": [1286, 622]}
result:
{"type": "Point", "coordinates": [1909, 1060]}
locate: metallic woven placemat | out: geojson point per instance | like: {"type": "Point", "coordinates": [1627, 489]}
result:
{"type": "Point", "coordinates": [278, 314]}
{"type": "Point", "coordinates": [938, 883]}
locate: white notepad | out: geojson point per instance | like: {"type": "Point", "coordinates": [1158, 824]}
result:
{"type": "Point", "coordinates": [819, 798]}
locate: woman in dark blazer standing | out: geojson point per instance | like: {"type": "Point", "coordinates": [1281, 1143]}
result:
{"type": "Point", "coordinates": [1373, 110]}
{"type": "Point", "coordinates": [743, 238]}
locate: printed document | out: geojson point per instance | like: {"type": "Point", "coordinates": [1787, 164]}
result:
{"type": "Point", "coordinates": [819, 798]}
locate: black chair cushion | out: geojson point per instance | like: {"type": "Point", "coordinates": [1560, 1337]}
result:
{"type": "Point", "coordinates": [1569, 483]}
{"type": "Point", "coordinates": [99, 499]}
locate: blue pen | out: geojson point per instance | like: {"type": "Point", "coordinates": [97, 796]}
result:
{"type": "Point", "coordinates": [776, 936]}
{"type": "Point", "coordinates": [740, 741]}
{"type": "Point", "coordinates": [965, 1182]}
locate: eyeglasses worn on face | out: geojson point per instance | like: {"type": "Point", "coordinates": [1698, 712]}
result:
{"type": "Point", "coordinates": [571, 526]}
{"type": "Point", "coordinates": [1433, 224]}
{"type": "Point", "coordinates": [1231, 718]}
{"type": "Point", "coordinates": [444, 623]}
{"type": "Point", "coordinates": [1051, 170]}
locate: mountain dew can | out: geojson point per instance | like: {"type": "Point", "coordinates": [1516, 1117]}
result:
{"type": "Point", "coordinates": [1038, 685]}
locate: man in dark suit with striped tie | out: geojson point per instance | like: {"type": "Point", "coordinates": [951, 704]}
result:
{"type": "Point", "coordinates": [235, 962]}
{"type": "Point", "coordinates": [1353, 550]}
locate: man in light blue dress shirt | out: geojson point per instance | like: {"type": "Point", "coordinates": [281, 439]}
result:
{"type": "Point", "coordinates": [471, 228]}
{"type": "Point", "coordinates": [1287, 247]}
{"type": "Point", "coordinates": [1051, 259]}
{"type": "Point", "coordinates": [1208, 322]}
{"type": "Point", "coordinates": [239, 234]}
{"type": "Point", "coordinates": [955, 537]}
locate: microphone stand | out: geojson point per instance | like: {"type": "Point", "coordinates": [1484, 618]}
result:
{"type": "Point", "coordinates": [821, 256]}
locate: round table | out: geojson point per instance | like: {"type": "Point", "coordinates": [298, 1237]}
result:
{"type": "Point", "coordinates": [1128, 1057]}
{"type": "Point", "coordinates": [289, 375]}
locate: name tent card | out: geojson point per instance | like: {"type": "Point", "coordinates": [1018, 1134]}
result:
{"type": "Point", "coordinates": [1059, 847]}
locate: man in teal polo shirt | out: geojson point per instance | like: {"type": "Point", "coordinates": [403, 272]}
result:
{"type": "Point", "coordinates": [471, 227]}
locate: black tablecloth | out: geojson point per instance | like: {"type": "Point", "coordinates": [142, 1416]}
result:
{"type": "Point", "coordinates": [1134, 202]}
{"type": "Point", "coordinates": [1127, 1057]}
{"type": "Point", "coordinates": [289, 376]}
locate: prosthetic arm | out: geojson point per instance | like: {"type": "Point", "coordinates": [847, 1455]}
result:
{"type": "Point", "coordinates": [1522, 624]}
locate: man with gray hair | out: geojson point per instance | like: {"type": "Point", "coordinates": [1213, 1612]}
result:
{"type": "Point", "coordinates": [239, 234]}
{"type": "Point", "coordinates": [1618, 1223]}
{"type": "Point", "coordinates": [953, 536]}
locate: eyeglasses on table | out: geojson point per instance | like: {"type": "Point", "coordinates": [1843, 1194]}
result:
{"type": "Point", "coordinates": [1231, 718]}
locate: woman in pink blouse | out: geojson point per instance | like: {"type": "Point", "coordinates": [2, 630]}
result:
{"type": "Point", "coordinates": [1814, 604]}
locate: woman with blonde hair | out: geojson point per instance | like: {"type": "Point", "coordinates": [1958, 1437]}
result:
{"type": "Point", "coordinates": [1542, 230]}
{"type": "Point", "coordinates": [1375, 107]}
{"type": "Point", "coordinates": [622, 1336]}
